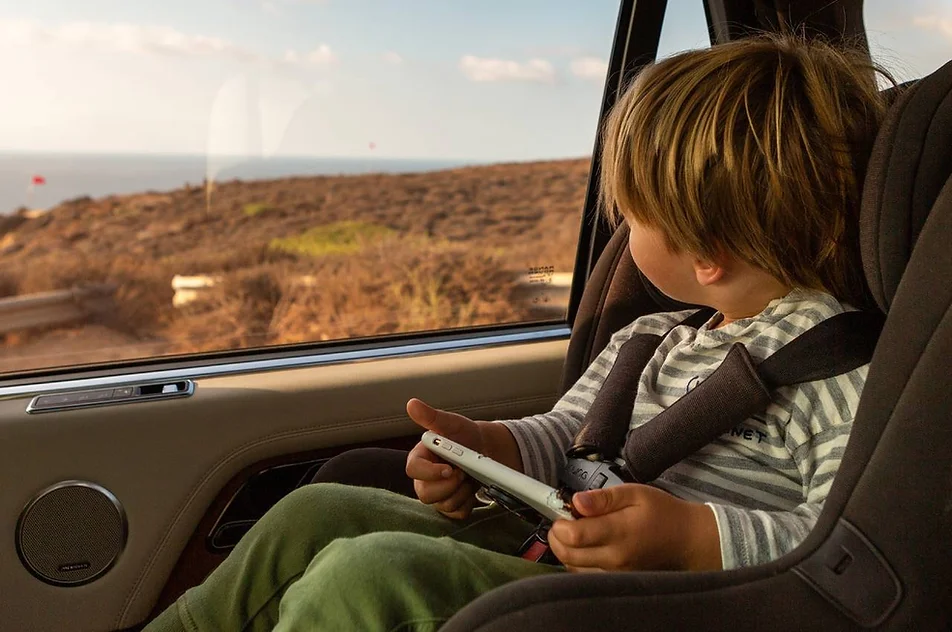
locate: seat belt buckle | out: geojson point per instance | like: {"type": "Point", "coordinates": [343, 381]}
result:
{"type": "Point", "coordinates": [582, 474]}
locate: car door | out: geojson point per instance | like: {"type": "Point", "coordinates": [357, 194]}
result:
{"type": "Point", "coordinates": [198, 306]}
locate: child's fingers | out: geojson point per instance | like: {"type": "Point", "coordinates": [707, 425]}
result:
{"type": "Point", "coordinates": [423, 465]}
{"type": "Point", "coordinates": [435, 492]}
{"type": "Point", "coordinates": [577, 558]}
{"type": "Point", "coordinates": [463, 511]}
{"type": "Point", "coordinates": [459, 498]}
{"type": "Point", "coordinates": [583, 533]}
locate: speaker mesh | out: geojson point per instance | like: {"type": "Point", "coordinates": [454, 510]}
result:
{"type": "Point", "coordinates": [71, 533]}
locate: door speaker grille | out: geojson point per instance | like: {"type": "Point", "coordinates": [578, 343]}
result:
{"type": "Point", "coordinates": [71, 533]}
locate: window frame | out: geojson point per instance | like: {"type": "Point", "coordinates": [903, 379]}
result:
{"type": "Point", "coordinates": [635, 43]}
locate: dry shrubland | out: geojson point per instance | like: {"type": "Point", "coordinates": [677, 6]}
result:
{"type": "Point", "coordinates": [297, 259]}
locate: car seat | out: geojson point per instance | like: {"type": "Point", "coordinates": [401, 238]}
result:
{"type": "Point", "coordinates": [880, 555]}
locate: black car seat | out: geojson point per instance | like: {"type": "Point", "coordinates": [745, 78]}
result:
{"type": "Point", "coordinates": [880, 556]}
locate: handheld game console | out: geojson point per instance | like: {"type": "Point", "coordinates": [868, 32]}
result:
{"type": "Point", "coordinates": [502, 483]}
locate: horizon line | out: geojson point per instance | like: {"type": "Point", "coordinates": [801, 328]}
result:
{"type": "Point", "coordinates": [473, 161]}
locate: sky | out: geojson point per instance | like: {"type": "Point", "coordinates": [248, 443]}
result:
{"type": "Point", "coordinates": [429, 79]}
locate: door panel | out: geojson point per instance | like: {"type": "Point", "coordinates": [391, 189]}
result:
{"type": "Point", "coordinates": [200, 555]}
{"type": "Point", "coordinates": [168, 461]}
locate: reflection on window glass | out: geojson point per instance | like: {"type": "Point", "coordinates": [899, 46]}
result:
{"type": "Point", "coordinates": [910, 39]}
{"type": "Point", "coordinates": [186, 177]}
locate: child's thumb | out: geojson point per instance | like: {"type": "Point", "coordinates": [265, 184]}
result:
{"type": "Point", "coordinates": [598, 502]}
{"type": "Point", "coordinates": [439, 421]}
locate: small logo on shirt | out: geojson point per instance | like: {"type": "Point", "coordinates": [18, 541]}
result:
{"type": "Point", "coordinates": [692, 384]}
{"type": "Point", "coordinates": [748, 434]}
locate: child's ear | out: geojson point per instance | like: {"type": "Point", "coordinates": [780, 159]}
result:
{"type": "Point", "coordinates": [708, 272]}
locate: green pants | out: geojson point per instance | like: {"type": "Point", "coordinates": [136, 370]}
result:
{"type": "Point", "coordinates": [335, 557]}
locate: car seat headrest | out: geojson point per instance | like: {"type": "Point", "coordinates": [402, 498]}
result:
{"type": "Point", "coordinates": [910, 163]}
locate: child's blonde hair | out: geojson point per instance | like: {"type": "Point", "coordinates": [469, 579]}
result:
{"type": "Point", "coordinates": [757, 148]}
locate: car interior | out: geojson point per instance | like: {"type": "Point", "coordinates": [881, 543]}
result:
{"type": "Point", "coordinates": [112, 512]}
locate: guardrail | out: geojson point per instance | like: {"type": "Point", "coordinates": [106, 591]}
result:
{"type": "Point", "coordinates": [49, 309]}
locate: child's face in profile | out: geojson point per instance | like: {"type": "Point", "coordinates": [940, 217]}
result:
{"type": "Point", "coordinates": [671, 272]}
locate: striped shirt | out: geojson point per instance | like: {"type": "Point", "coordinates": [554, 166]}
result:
{"type": "Point", "coordinates": [766, 479]}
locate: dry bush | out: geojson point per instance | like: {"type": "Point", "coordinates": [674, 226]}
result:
{"type": "Point", "coordinates": [10, 222]}
{"type": "Point", "coordinates": [143, 299]}
{"type": "Point", "coordinates": [44, 275]}
{"type": "Point", "coordinates": [237, 313]}
{"type": "Point", "coordinates": [400, 285]}
{"type": "Point", "coordinates": [227, 259]}
{"type": "Point", "coordinates": [9, 284]}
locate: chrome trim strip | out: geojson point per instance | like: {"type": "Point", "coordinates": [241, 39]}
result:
{"type": "Point", "coordinates": [276, 364]}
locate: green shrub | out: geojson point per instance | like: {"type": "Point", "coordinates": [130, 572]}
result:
{"type": "Point", "coordinates": [255, 208]}
{"type": "Point", "coordinates": [338, 238]}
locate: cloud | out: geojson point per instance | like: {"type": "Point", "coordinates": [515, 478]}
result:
{"type": "Point", "coordinates": [122, 37]}
{"type": "Point", "coordinates": [149, 40]}
{"type": "Point", "coordinates": [274, 6]}
{"type": "Point", "coordinates": [568, 50]}
{"type": "Point", "coordinates": [934, 22]}
{"type": "Point", "coordinates": [484, 69]}
{"type": "Point", "coordinates": [320, 56]}
{"type": "Point", "coordinates": [392, 58]}
{"type": "Point", "coordinates": [591, 68]}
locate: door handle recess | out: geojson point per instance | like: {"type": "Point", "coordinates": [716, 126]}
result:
{"type": "Point", "coordinates": [125, 394]}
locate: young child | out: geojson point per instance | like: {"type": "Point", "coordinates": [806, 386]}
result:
{"type": "Point", "coordinates": [738, 170]}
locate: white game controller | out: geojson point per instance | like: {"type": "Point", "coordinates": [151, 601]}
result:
{"type": "Point", "coordinates": [546, 500]}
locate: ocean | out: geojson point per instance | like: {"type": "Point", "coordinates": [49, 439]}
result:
{"type": "Point", "coordinates": [68, 176]}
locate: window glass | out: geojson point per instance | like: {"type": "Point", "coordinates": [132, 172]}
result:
{"type": "Point", "coordinates": [684, 28]}
{"type": "Point", "coordinates": [183, 177]}
{"type": "Point", "coordinates": [910, 39]}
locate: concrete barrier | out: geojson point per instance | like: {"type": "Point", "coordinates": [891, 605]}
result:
{"type": "Point", "coordinates": [189, 289]}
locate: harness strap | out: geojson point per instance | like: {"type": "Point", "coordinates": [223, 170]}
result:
{"type": "Point", "coordinates": [731, 394]}
{"type": "Point", "coordinates": [606, 423]}
{"type": "Point", "coordinates": [835, 346]}
{"type": "Point", "coordinates": [734, 392]}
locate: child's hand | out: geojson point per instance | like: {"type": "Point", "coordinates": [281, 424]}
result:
{"type": "Point", "coordinates": [636, 527]}
{"type": "Point", "coordinates": [435, 481]}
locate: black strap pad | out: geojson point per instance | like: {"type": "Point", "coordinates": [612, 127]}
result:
{"type": "Point", "coordinates": [607, 420]}
{"type": "Point", "coordinates": [835, 346]}
{"type": "Point", "coordinates": [730, 395]}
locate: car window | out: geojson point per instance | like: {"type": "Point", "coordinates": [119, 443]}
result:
{"type": "Point", "coordinates": [684, 28]}
{"type": "Point", "coordinates": [910, 39]}
{"type": "Point", "coordinates": [173, 181]}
